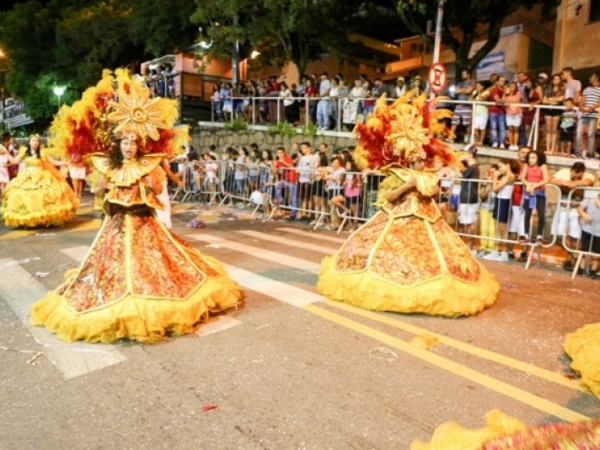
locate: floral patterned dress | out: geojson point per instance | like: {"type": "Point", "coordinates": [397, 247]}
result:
{"type": "Point", "coordinates": [407, 259]}
{"type": "Point", "coordinates": [138, 281]}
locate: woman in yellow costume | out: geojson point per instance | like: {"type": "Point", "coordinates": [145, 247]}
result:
{"type": "Point", "coordinates": [406, 258]}
{"type": "Point", "coordinates": [39, 195]}
{"type": "Point", "coordinates": [138, 281]}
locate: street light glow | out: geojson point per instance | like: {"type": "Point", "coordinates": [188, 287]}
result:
{"type": "Point", "coordinates": [58, 91]}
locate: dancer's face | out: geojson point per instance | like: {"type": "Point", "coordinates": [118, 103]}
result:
{"type": "Point", "coordinates": [34, 142]}
{"type": "Point", "coordinates": [418, 164]}
{"type": "Point", "coordinates": [129, 148]}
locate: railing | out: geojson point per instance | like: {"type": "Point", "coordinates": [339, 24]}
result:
{"type": "Point", "coordinates": [344, 112]}
{"type": "Point", "coordinates": [14, 116]}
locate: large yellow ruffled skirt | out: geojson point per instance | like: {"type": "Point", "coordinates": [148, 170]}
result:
{"type": "Point", "coordinates": [503, 432]}
{"type": "Point", "coordinates": [407, 265]}
{"type": "Point", "coordinates": [38, 197]}
{"type": "Point", "coordinates": [583, 347]}
{"type": "Point", "coordinates": [138, 281]}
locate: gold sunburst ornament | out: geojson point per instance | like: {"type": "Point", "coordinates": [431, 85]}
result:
{"type": "Point", "coordinates": [408, 135]}
{"type": "Point", "coordinates": [135, 112]}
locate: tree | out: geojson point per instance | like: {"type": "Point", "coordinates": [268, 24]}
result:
{"type": "Point", "coordinates": [464, 23]}
{"type": "Point", "coordinates": [299, 31]}
{"type": "Point", "coordinates": [70, 42]}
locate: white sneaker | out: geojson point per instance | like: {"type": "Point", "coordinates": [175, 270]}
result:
{"type": "Point", "coordinates": [502, 147]}
{"type": "Point", "coordinates": [474, 252]}
{"type": "Point", "coordinates": [502, 257]}
{"type": "Point", "coordinates": [492, 256]}
{"type": "Point", "coordinates": [494, 145]}
{"type": "Point", "coordinates": [482, 253]}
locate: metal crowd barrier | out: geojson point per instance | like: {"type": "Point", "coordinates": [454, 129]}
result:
{"type": "Point", "coordinates": [572, 238]}
{"type": "Point", "coordinates": [196, 185]}
{"type": "Point", "coordinates": [513, 232]}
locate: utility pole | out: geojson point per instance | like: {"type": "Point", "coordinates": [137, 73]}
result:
{"type": "Point", "coordinates": [438, 32]}
{"type": "Point", "coordinates": [235, 58]}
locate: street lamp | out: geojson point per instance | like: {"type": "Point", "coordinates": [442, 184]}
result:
{"type": "Point", "coordinates": [2, 89]}
{"type": "Point", "coordinates": [59, 91]}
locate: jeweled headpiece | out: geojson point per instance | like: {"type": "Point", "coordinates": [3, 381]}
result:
{"type": "Point", "coordinates": [117, 106]}
{"type": "Point", "coordinates": [402, 132]}
{"type": "Point", "coordinates": [135, 112]}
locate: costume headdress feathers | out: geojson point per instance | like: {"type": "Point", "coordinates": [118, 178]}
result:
{"type": "Point", "coordinates": [118, 106]}
{"type": "Point", "coordinates": [402, 132]}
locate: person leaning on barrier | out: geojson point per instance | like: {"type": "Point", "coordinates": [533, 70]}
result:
{"type": "Point", "coordinates": [305, 167]}
{"type": "Point", "coordinates": [468, 206]}
{"type": "Point", "coordinates": [566, 220]}
{"type": "Point", "coordinates": [589, 211]}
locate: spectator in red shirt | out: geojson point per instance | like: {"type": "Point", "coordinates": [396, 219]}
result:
{"type": "Point", "coordinates": [287, 176]}
{"type": "Point", "coordinates": [497, 114]}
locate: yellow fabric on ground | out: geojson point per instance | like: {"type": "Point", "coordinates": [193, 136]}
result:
{"type": "Point", "coordinates": [583, 347]}
{"type": "Point", "coordinates": [453, 436]}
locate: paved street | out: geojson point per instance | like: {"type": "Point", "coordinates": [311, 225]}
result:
{"type": "Point", "coordinates": [287, 369]}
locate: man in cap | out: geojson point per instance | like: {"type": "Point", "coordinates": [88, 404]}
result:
{"type": "Point", "coordinates": [400, 89]}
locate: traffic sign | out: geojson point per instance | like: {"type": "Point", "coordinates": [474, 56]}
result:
{"type": "Point", "coordinates": [437, 77]}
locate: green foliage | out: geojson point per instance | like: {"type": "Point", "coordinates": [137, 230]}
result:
{"type": "Point", "coordinates": [299, 31]}
{"type": "Point", "coordinates": [70, 42]}
{"type": "Point", "coordinates": [462, 23]}
{"type": "Point", "coordinates": [310, 130]}
{"type": "Point", "coordinates": [235, 125]}
{"type": "Point", "coordinates": [283, 129]}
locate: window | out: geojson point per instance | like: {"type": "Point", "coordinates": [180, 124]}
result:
{"type": "Point", "coordinates": [421, 48]}
{"type": "Point", "coordinates": [594, 10]}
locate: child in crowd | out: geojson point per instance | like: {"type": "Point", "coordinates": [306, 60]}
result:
{"type": "Point", "coordinates": [514, 114]}
{"type": "Point", "coordinates": [534, 176]}
{"type": "Point", "coordinates": [487, 226]}
{"type": "Point", "coordinates": [503, 181]}
{"type": "Point", "coordinates": [348, 202]}
{"type": "Point", "coordinates": [568, 122]}
{"type": "Point", "coordinates": [482, 94]}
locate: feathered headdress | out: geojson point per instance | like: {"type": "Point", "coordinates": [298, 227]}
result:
{"type": "Point", "coordinates": [117, 106]}
{"type": "Point", "coordinates": [399, 133]}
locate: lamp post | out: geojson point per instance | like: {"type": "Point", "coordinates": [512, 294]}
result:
{"type": "Point", "coordinates": [59, 91]}
{"type": "Point", "coordinates": [2, 88]}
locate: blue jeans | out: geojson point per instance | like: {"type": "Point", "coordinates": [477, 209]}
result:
{"type": "Point", "coordinates": [497, 125]}
{"type": "Point", "coordinates": [591, 136]}
{"type": "Point", "coordinates": [323, 113]}
{"type": "Point", "coordinates": [293, 188]}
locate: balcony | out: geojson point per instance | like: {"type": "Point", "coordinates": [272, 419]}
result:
{"type": "Point", "coordinates": [394, 69]}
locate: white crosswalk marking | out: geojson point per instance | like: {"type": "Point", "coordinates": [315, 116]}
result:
{"type": "Point", "coordinates": [20, 290]}
{"type": "Point", "coordinates": [278, 258]}
{"type": "Point", "coordinates": [271, 288]}
{"type": "Point", "coordinates": [311, 234]}
{"type": "Point", "coordinates": [289, 242]}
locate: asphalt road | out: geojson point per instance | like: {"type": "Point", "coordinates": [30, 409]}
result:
{"type": "Point", "coordinates": [287, 369]}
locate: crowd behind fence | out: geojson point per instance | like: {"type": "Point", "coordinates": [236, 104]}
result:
{"type": "Point", "coordinates": [476, 125]}
{"type": "Point", "coordinates": [329, 198]}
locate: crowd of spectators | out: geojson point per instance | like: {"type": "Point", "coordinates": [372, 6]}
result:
{"type": "Point", "coordinates": [496, 112]}
{"type": "Point", "coordinates": [161, 81]}
{"type": "Point", "coordinates": [329, 102]}
{"type": "Point", "coordinates": [567, 119]}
